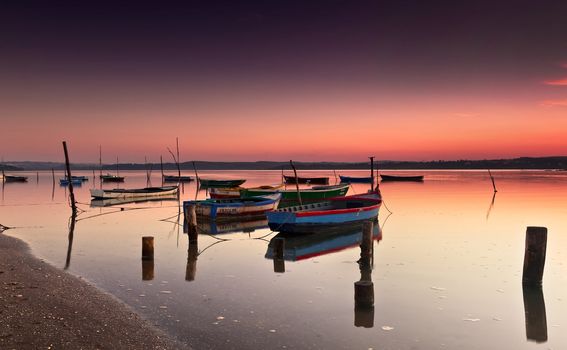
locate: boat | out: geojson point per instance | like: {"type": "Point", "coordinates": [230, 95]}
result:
{"type": "Point", "coordinates": [79, 177]}
{"type": "Point", "coordinates": [75, 181]}
{"type": "Point", "coordinates": [235, 207]}
{"type": "Point", "coordinates": [315, 193]}
{"type": "Point", "coordinates": [111, 178]}
{"type": "Point", "coordinates": [15, 178]}
{"type": "Point", "coordinates": [353, 179]}
{"type": "Point", "coordinates": [177, 178]}
{"type": "Point", "coordinates": [109, 202]}
{"type": "Point", "coordinates": [306, 180]}
{"type": "Point", "coordinates": [134, 192]}
{"type": "Point", "coordinates": [401, 177]}
{"type": "Point", "coordinates": [236, 192]}
{"type": "Point", "coordinates": [321, 242]}
{"type": "Point", "coordinates": [220, 183]}
{"type": "Point", "coordinates": [331, 213]}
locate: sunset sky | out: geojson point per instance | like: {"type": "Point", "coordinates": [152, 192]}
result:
{"type": "Point", "coordinates": [306, 80]}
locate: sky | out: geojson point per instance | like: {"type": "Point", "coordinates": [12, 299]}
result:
{"type": "Point", "coordinates": [323, 80]}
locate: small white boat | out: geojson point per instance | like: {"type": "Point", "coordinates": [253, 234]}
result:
{"type": "Point", "coordinates": [134, 192]}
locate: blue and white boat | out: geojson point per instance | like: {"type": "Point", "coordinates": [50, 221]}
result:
{"type": "Point", "coordinates": [333, 212]}
{"type": "Point", "coordinates": [233, 207]}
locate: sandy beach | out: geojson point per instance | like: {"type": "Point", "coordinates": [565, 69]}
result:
{"type": "Point", "coordinates": [45, 308]}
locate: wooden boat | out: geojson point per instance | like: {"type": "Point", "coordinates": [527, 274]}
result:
{"type": "Point", "coordinates": [353, 179]}
{"type": "Point", "coordinates": [220, 183]}
{"type": "Point", "coordinates": [75, 181]}
{"type": "Point", "coordinates": [331, 213]}
{"type": "Point", "coordinates": [134, 192]}
{"type": "Point", "coordinates": [230, 208]}
{"type": "Point", "coordinates": [177, 178]}
{"type": "Point", "coordinates": [306, 180]}
{"type": "Point", "coordinates": [15, 178]}
{"type": "Point", "coordinates": [109, 202]}
{"type": "Point", "coordinates": [401, 178]}
{"type": "Point", "coordinates": [236, 192]}
{"type": "Point", "coordinates": [315, 193]}
{"type": "Point", "coordinates": [111, 178]}
{"type": "Point", "coordinates": [321, 242]}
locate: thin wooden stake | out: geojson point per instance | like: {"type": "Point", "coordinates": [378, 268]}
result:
{"type": "Point", "coordinates": [161, 166]}
{"type": "Point", "coordinates": [492, 178]}
{"type": "Point", "coordinates": [53, 175]}
{"type": "Point", "coordinates": [296, 182]}
{"type": "Point", "coordinates": [372, 172]}
{"type": "Point", "coordinates": [68, 167]}
{"type": "Point", "coordinates": [178, 160]}
{"type": "Point", "coordinates": [196, 174]}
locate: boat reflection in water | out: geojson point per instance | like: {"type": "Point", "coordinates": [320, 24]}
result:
{"type": "Point", "coordinates": [108, 202]}
{"type": "Point", "coordinates": [327, 241]}
{"type": "Point", "coordinates": [215, 227]}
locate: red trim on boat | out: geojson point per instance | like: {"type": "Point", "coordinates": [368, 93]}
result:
{"type": "Point", "coordinates": [336, 211]}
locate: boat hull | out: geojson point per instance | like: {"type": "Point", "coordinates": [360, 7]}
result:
{"type": "Point", "coordinates": [112, 178]}
{"type": "Point", "coordinates": [147, 192]}
{"type": "Point", "coordinates": [175, 178]}
{"type": "Point", "coordinates": [333, 213]}
{"type": "Point", "coordinates": [307, 195]}
{"type": "Point", "coordinates": [417, 178]}
{"type": "Point", "coordinates": [351, 179]}
{"type": "Point", "coordinates": [15, 178]}
{"type": "Point", "coordinates": [220, 183]}
{"type": "Point", "coordinates": [219, 209]}
{"type": "Point", "coordinates": [306, 180]}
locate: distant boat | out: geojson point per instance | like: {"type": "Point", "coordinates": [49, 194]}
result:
{"type": "Point", "coordinates": [314, 193]}
{"type": "Point", "coordinates": [15, 178]}
{"type": "Point", "coordinates": [236, 192]}
{"type": "Point", "coordinates": [401, 178]}
{"type": "Point", "coordinates": [177, 178]}
{"type": "Point", "coordinates": [321, 242]}
{"type": "Point", "coordinates": [307, 180]}
{"type": "Point", "coordinates": [353, 179]}
{"type": "Point", "coordinates": [331, 213]}
{"type": "Point", "coordinates": [236, 207]}
{"type": "Point", "coordinates": [111, 178]}
{"type": "Point", "coordinates": [220, 183]}
{"type": "Point", "coordinates": [108, 202]}
{"type": "Point", "coordinates": [135, 192]}
{"type": "Point", "coordinates": [74, 181]}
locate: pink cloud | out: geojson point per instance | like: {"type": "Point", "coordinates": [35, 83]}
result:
{"type": "Point", "coordinates": [554, 103]}
{"type": "Point", "coordinates": [560, 82]}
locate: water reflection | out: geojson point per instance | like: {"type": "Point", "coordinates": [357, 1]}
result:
{"type": "Point", "coordinates": [534, 308]}
{"type": "Point", "coordinates": [72, 221]}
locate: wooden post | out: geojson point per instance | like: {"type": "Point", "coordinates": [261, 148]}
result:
{"type": "Point", "coordinates": [296, 182]}
{"type": "Point", "coordinates": [534, 310]}
{"type": "Point", "coordinates": [3, 175]}
{"type": "Point", "coordinates": [364, 293]}
{"type": "Point", "coordinates": [117, 172]}
{"type": "Point", "coordinates": [492, 178]}
{"type": "Point", "coordinates": [37, 177]}
{"type": "Point", "coordinates": [178, 160]}
{"type": "Point", "coordinates": [100, 160]}
{"type": "Point", "coordinates": [192, 254]}
{"type": "Point", "coordinates": [196, 174]}
{"type": "Point", "coordinates": [68, 167]}
{"type": "Point", "coordinates": [192, 222]}
{"type": "Point", "coordinates": [147, 248]}
{"type": "Point", "coordinates": [534, 256]}
{"type": "Point", "coordinates": [147, 270]}
{"type": "Point", "coordinates": [372, 173]}
{"type": "Point", "coordinates": [161, 167]}
{"type": "Point", "coordinates": [335, 172]}
{"type": "Point", "coordinates": [53, 175]}
{"type": "Point", "coordinates": [278, 254]}
{"type": "Point", "coordinates": [364, 289]}
{"type": "Point", "coordinates": [366, 243]}
{"type": "Point", "coordinates": [94, 177]}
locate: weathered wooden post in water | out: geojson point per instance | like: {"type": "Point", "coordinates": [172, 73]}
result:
{"type": "Point", "coordinates": [68, 167]}
{"type": "Point", "coordinates": [278, 254]}
{"type": "Point", "coordinates": [296, 182]}
{"type": "Point", "coordinates": [192, 223]}
{"type": "Point", "coordinates": [372, 173]}
{"type": "Point", "coordinates": [147, 258]}
{"type": "Point", "coordinates": [534, 303]}
{"type": "Point", "coordinates": [364, 289]}
{"type": "Point", "coordinates": [534, 255]}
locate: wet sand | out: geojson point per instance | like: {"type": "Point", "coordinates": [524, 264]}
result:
{"type": "Point", "coordinates": [42, 307]}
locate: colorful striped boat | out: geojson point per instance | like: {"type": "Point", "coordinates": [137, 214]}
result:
{"type": "Point", "coordinates": [236, 192]}
{"type": "Point", "coordinates": [334, 212]}
{"type": "Point", "coordinates": [230, 208]}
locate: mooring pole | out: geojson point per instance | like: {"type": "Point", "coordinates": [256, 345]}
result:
{"type": "Point", "coordinates": [68, 167]}
{"type": "Point", "coordinates": [534, 256]}
{"type": "Point", "coordinates": [372, 173]}
{"type": "Point", "coordinates": [296, 182]}
{"type": "Point", "coordinates": [492, 178]}
{"type": "Point", "coordinates": [278, 254]}
{"type": "Point", "coordinates": [196, 174]}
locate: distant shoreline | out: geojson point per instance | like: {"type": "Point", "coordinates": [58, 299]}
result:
{"type": "Point", "coordinates": [555, 162]}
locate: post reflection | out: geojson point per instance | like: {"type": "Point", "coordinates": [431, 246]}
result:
{"type": "Point", "coordinates": [147, 270]}
{"type": "Point", "coordinates": [72, 221]}
{"type": "Point", "coordinates": [364, 288]}
{"type": "Point", "coordinates": [192, 254]}
{"type": "Point", "coordinates": [534, 308]}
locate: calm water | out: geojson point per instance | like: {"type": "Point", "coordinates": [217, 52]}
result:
{"type": "Point", "coordinates": [447, 270]}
